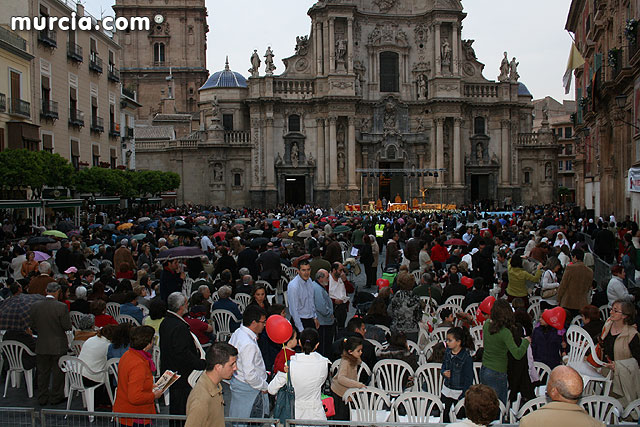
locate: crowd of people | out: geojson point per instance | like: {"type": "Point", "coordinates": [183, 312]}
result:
{"type": "Point", "coordinates": [357, 288]}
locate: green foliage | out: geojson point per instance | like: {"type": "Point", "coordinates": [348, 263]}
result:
{"type": "Point", "coordinates": [21, 169]}
{"type": "Point", "coordinates": [58, 172]}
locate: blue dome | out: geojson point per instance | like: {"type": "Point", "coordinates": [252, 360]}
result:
{"type": "Point", "coordinates": [225, 78]}
{"type": "Point", "coordinates": [523, 91]}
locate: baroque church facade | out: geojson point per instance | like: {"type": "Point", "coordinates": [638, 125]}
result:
{"type": "Point", "coordinates": [378, 86]}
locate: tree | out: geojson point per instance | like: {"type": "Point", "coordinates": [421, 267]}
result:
{"type": "Point", "coordinates": [20, 169]}
{"type": "Point", "coordinates": [57, 170]}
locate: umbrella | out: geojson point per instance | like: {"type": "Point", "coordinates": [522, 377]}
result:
{"type": "Point", "coordinates": [256, 232]}
{"type": "Point", "coordinates": [185, 232]}
{"type": "Point", "coordinates": [139, 236]}
{"type": "Point", "coordinates": [502, 221]}
{"type": "Point", "coordinates": [14, 311]}
{"type": "Point", "coordinates": [458, 242]}
{"type": "Point", "coordinates": [218, 213]}
{"type": "Point", "coordinates": [270, 220]}
{"type": "Point", "coordinates": [305, 233]}
{"type": "Point", "coordinates": [153, 224]}
{"type": "Point", "coordinates": [125, 226]}
{"type": "Point", "coordinates": [180, 252]}
{"type": "Point", "coordinates": [180, 223]}
{"type": "Point", "coordinates": [40, 240]}
{"type": "Point", "coordinates": [220, 235]}
{"type": "Point", "coordinates": [260, 241]}
{"type": "Point", "coordinates": [92, 226]}
{"type": "Point", "coordinates": [41, 256]}
{"type": "Point", "coordinates": [170, 211]}
{"type": "Point", "coordinates": [65, 226]}
{"type": "Point", "coordinates": [341, 229]}
{"type": "Point", "coordinates": [110, 227]}
{"type": "Point", "coordinates": [55, 233]}
{"type": "Point", "coordinates": [552, 227]}
{"type": "Point", "coordinates": [300, 212]}
{"type": "Point", "coordinates": [204, 228]}
{"type": "Point", "coordinates": [73, 233]}
{"type": "Point", "coordinates": [144, 219]}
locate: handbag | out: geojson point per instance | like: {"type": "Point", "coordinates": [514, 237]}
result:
{"type": "Point", "coordinates": [329, 405]}
{"type": "Point", "coordinates": [549, 293]}
{"type": "Point", "coordinates": [285, 401]}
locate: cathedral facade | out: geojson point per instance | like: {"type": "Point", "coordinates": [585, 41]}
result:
{"type": "Point", "coordinates": [382, 99]}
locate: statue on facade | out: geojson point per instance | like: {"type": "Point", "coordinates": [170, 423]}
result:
{"type": "Point", "coordinates": [445, 52]}
{"type": "Point", "coordinates": [547, 171]}
{"type": "Point", "coordinates": [310, 160]}
{"type": "Point", "coordinates": [278, 160]}
{"type": "Point", "coordinates": [294, 155]}
{"type": "Point", "coordinates": [479, 153]}
{"type": "Point", "coordinates": [255, 64]}
{"type": "Point", "coordinates": [268, 62]}
{"type": "Point", "coordinates": [469, 52]}
{"type": "Point", "coordinates": [302, 45]}
{"type": "Point", "coordinates": [389, 116]}
{"type": "Point", "coordinates": [358, 85]}
{"type": "Point", "coordinates": [341, 54]}
{"type": "Point", "coordinates": [422, 87]}
{"type": "Point", "coordinates": [504, 69]}
{"type": "Point", "coordinates": [341, 161]}
{"type": "Point", "coordinates": [340, 135]}
{"type": "Point", "coordinates": [215, 113]}
{"type": "Point", "coordinates": [513, 71]}
{"type": "Point", "coordinates": [217, 172]}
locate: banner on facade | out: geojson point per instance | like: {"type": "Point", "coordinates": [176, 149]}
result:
{"type": "Point", "coordinates": [634, 180]}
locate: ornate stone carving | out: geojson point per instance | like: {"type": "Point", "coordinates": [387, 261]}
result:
{"type": "Point", "coordinates": [268, 62]}
{"type": "Point", "coordinates": [388, 34]}
{"type": "Point", "coordinates": [365, 125]}
{"type": "Point", "coordinates": [422, 93]}
{"type": "Point", "coordinates": [385, 5]}
{"type": "Point", "coordinates": [422, 67]}
{"type": "Point", "coordinates": [445, 55]}
{"type": "Point", "coordinates": [279, 161]}
{"type": "Point", "coordinates": [513, 71]}
{"type": "Point", "coordinates": [390, 125]}
{"type": "Point", "coordinates": [341, 84]}
{"type": "Point", "coordinates": [301, 65]}
{"type": "Point", "coordinates": [218, 172]}
{"type": "Point", "coordinates": [421, 33]}
{"type": "Point", "coordinates": [504, 69]}
{"type": "Point", "coordinates": [468, 69]}
{"type": "Point", "coordinates": [448, 87]}
{"type": "Point", "coordinates": [255, 64]}
{"type": "Point", "coordinates": [294, 155]}
{"type": "Point", "coordinates": [468, 50]}
{"type": "Point", "coordinates": [302, 45]}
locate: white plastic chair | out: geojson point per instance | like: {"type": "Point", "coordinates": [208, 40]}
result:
{"type": "Point", "coordinates": [476, 372]}
{"type": "Point", "coordinates": [391, 374]}
{"type": "Point", "coordinates": [476, 334]}
{"type": "Point", "coordinates": [534, 310]}
{"type": "Point", "coordinates": [243, 301]}
{"type": "Point", "coordinates": [530, 406]}
{"type": "Point", "coordinates": [429, 379]}
{"type": "Point", "coordinates": [455, 411]}
{"type": "Point", "coordinates": [431, 305]}
{"type": "Point", "coordinates": [579, 342]}
{"type": "Point", "coordinates": [74, 369]}
{"type": "Point", "coordinates": [417, 275]}
{"type": "Point", "coordinates": [439, 334]}
{"type": "Point", "coordinates": [455, 300]}
{"type": "Point", "coordinates": [76, 347]}
{"type": "Point", "coordinates": [364, 372]}
{"type": "Point", "coordinates": [472, 309]}
{"type": "Point", "coordinates": [632, 410]}
{"type": "Point", "coordinates": [75, 317]}
{"type": "Point", "coordinates": [125, 318]}
{"type": "Point", "coordinates": [266, 285]}
{"type": "Point", "coordinates": [603, 408]}
{"type": "Point", "coordinates": [214, 297]}
{"type": "Point", "coordinates": [428, 349]}
{"type": "Point", "coordinates": [222, 323]}
{"type": "Point", "coordinates": [377, 345]}
{"type": "Point", "coordinates": [414, 349]}
{"type": "Point", "coordinates": [577, 320]}
{"type": "Point", "coordinates": [112, 373]}
{"type": "Point", "coordinates": [113, 309]}
{"type": "Point", "coordinates": [387, 331]}
{"type": "Point", "coordinates": [605, 311]}
{"type": "Point", "coordinates": [454, 308]}
{"type": "Point", "coordinates": [364, 403]}
{"type": "Point", "coordinates": [145, 310]}
{"type": "Point", "coordinates": [12, 352]}
{"type": "Point", "coordinates": [419, 407]}
{"type": "Point", "coordinates": [544, 372]}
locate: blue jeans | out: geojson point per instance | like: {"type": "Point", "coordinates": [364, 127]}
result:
{"type": "Point", "coordinates": [496, 380]}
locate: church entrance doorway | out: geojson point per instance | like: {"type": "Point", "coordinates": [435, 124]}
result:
{"type": "Point", "coordinates": [391, 183]}
{"type": "Point", "coordinates": [294, 190]}
{"type": "Point", "coordinates": [479, 187]}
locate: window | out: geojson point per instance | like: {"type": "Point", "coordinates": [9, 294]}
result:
{"type": "Point", "coordinates": [47, 142]}
{"type": "Point", "coordinates": [479, 126]}
{"type": "Point", "coordinates": [75, 153]}
{"type": "Point", "coordinates": [158, 53]}
{"type": "Point", "coordinates": [113, 159]}
{"type": "Point", "coordinates": [527, 178]}
{"type": "Point", "coordinates": [569, 165]}
{"type": "Point", "coordinates": [95, 155]}
{"type": "Point", "coordinates": [568, 149]}
{"type": "Point", "coordinates": [227, 121]}
{"type": "Point", "coordinates": [559, 132]}
{"type": "Point", "coordinates": [568, 132]}
{"type": "Point", "coordinates": [237, 180]}
{"type": "Point", "coordinates": [559, 165]}
{"type": "Point", "coordinates": [389, 72]}
{"type": "Point", "coordinates": [294, 123]}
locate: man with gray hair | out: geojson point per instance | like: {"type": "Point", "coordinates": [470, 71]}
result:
{"type": "Point", "coordinates": [224, 303]}
{"type": "Point", "coordinates": [324, 311]}
{"type": "Point", "coordinates": [80, 304]}
{"type": "Point", "coordinates": [179, 351]}
{"type": "Point", "coordinates": [38, 285]}
{"type": "Point", "coordinates": [246, 285]}
{"type": "Point", "coordinates": [50, 320]}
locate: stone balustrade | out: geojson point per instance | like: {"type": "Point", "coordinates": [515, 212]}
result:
{"type": "Point", "coordinates": [237, 137]}
{"type": "Point", "coordinates": [481, 90]}
{"type": "Point", "coordinates": [293, 87]}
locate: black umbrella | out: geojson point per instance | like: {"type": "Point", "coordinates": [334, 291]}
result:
{"type": "Point", "coordinates": [40, 240]}
{"type": "Point", "coordinates": [185, 232]}
{"type": "Point", "coordinates": [65, 226]}
{"type": "Point", "coordinates": [260, 241]}
{"type": "Point", "coordinates": [180, 252]}
{"type": "Point", "coordinates": [204, 228]}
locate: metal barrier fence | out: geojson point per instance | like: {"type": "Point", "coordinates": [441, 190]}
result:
{"type": "Point", "coordinates": [18, 417]}
{"type": "Point", "coordinates": [315, 423]}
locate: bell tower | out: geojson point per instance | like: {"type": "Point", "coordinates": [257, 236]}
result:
{"type": "Point", "coordinates": [167, 62]}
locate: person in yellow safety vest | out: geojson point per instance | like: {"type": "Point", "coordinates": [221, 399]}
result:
{"type": "Point", "coordinates": [380, 234]}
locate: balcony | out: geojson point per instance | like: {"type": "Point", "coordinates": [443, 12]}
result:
{"type": "Point", "coordinates": [634, 47]}
{"type": "Point", "coordinates": [615, 70]}
{"type": "Point", "coordinates": [74, 52]}
{"type": "Point", "coordinates": [114, 74]}
{"type": "Point", "coordinates": [19, 107]}
{"type": "Point", "coordinates": [485, 90]}
{"type": "Point", "coordinates": [48, 38]}
{"type": "Point", "coordinates": [129, 93]}
{"type": "Point", "coordinates": [293, 87]}
{"type": "Point", "coordinates": [13, 39]}
{"type": "Point", "coordinates": [76, 118]}
{"type": "Point", "coordinates": [97, 124]}
{"type": "Point", "coordinates": [3, 102]}
{"type": "Point", "coordinates": [49, 110]}
{"type": "Point", "coordinates": [114, 130]}
{"type": "Point", "coordinates": [95, 63]}
{"type": "Point", "coordinates": [237, 137]}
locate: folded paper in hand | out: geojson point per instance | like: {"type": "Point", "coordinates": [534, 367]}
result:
{"type": "Point", "coordinates": [354, 251]}
{"type": "Point", "coordinates": [165, 381]}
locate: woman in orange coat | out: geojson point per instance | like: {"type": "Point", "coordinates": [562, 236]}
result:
{"type": "Point", "coordinates": [29, 265]}
{"type": "Point", "coordinates": [135, 393]}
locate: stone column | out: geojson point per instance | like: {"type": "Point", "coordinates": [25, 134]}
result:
{"type": "Point", "coordinates": [457, 152]}
{"type": "Point", "coordinates": [325, 47]}
{"type": "Point", "coordinates": [440, 147]}
{"type": "Point", "coordinates": [433, 150]}
{"type": "Point", "coordinates": [269, 163]}
{"type": "Point", "coordinates": [505, 157]}
{"type": "Point", "coordinates": [350, 45]}
{"type": "Point", "coordinates": [455, 60]}
{"type": "Point", "coordinates": [319, 55]}
{"type": "Point", "coordinates": [351, 154]}
{"type": "Point", "coordinates": [421, 166]}
{"type": "Point", "coordinates": [365, 182]}
{"type": "Point", "coordinates": [436, 41]}
{"type": "Point", "coordinates": [332, 46]}
{"type": "Point", "coordinates": [333, 152]}
{"type": "Point", "coordinates": [320, 156]}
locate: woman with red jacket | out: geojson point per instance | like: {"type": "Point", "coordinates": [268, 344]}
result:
{"type": "Point", "coordinates": [135, 393]}
{"type": "Point", "coordinates": [439, 252]}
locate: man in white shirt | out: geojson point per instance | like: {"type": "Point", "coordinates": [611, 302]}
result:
{"type": "Point", "coordinates": [468, 236]}
{"type": "Point", "coordinates": [249, 383]}
{"type": "Point", "coordinates": [300, 295]}
{"type": "Point", "coordinates": [338, 293]}
{"type": "Point", "coordinates": [206, 245]}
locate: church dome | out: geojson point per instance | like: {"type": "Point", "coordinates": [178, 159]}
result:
{"type": "Point", "coordinates": [225, 78]}
{"type": "Point", "coordinates": [523, 91]}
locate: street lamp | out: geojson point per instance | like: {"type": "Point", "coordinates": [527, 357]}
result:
{"type": "Point", "coordinates": [621, 102]}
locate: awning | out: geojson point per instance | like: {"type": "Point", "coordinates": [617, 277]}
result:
{"type": "Point", "coordinates": [69, 203]}
{"type": "Point", "coordinates": [20, 204]}
{"type": "Point", "coordinates": [634, 180]}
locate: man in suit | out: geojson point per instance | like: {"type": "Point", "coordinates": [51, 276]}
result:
{"type": "Point", "coordinates": [564, 388]}
{"type": "Point", "coordinates": [575, 285]}
{"type": "Point", "coordinates": [50, 320]}
{"type": "Point", "coordinates": [38, 285]}
{"type": "Point", "coordinates": [270, 268]}
{"type": "Point", "coordinates": [178, 352]}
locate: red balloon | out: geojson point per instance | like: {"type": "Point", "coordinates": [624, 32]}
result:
{"type": "Point", "coordinates": [276, 224]}
{"type": "Point", "coordinates": [382, 283]}
{"type": "Point", "coordinates": [555, 317]}
{"type": "Point", "coordinates": [467, 282]}
{"type": "Point", "coordinates": [279, 329]}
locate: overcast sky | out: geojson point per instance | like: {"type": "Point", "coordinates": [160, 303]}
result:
{"type": "Point", "coordinates": [533, 32]}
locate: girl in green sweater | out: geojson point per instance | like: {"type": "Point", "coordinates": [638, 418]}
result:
{"type": "Point", "coordinates": [498, 340]}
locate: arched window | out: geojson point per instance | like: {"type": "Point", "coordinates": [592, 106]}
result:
{"type": "Point", "coordinates": [527, 177]}
{"type": "Point", "coordinates": [389, 72]}
{"type": "Point", "coordinates": [158, 53]}
{"type": "Point", "coordinates": [294, 123]}
{"type": "Point", "coordinates": [479, 126]}
{"type": "Point", "coordinates": [391, 152]}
